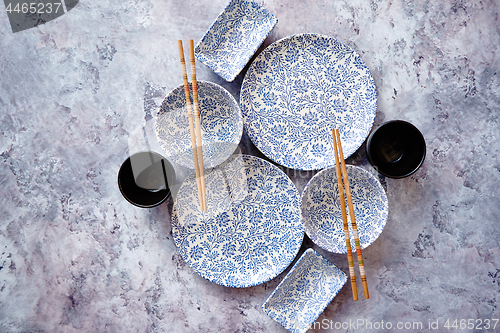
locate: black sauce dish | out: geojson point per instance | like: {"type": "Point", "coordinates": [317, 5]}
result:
{"type": "Point", "coordinates": [396, 149]}
{"type": "Point", "coordinates": [143, 179]}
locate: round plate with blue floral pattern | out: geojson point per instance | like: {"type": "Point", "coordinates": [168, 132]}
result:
{"type": "Point", "coordinates": [221, 125]}
{"type": "Point", "coordinates": [297, 90]}
{"type": "Point", "coordinates": [251, 231]}
{"type": "Point", "coordinates": [322, 216]}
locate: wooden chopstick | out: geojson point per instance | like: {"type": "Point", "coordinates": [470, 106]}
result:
{"type": "Point", "coordinates": [353, 218]}
{"type": "Point", "coordinates": [197, 124]}
{"type": "Point", "coordinates": [344, 219]}
{"type": "Point", "coordinates": [191, 124]}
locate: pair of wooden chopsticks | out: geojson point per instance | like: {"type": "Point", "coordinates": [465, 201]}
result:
{"type": "Point", "coordinates": [195, 127]}
{"type": "Point", "coordinates": [342, 173]}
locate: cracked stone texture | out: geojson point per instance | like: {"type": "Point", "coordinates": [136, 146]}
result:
{"type": "Point", "coordinates": [79, 93]}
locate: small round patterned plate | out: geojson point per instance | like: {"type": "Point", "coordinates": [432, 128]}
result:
{"type": "Point", "coordinates": [322, 217]}
{"type": "Point", "coordinates": [221, 125]}
{"type": "Point", "coordinates": [252, 230]}
{"type": "Point", "coordinates": [297, 90]}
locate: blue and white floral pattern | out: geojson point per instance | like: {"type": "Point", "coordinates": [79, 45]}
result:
{"type": "Point", "coordinates": [252, 230]}
{"type": "Point", "coordinates": [300, 88]}
{"type": "Point", "coordinates": [234, 37]}
{"type": "Point", "coordinates": [221, 125]}
{"type": "Point", "coordinates": [305, 292]}
{"type": "Point", "coordinates": [322, 216]}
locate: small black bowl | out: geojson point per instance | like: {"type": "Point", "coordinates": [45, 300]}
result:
{"type": "Point", "coordinates": [396, 149]}
{"type": "Point", "coordinates": [142, 179]}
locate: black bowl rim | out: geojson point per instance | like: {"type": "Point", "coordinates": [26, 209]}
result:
{"type": "Point", "coordinates": [368, 142]}
{"type": "Point", "coordinates": [120, 185]}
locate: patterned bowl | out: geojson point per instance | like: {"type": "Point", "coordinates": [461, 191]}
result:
{"type": "Point", "coordinates": [305, 292]}
{"type": "Point", "coordinates": [234, 37]}
{"type": "Point", "coordinates": [221, 125]}
{"type": "Point", "coordinates": [322, 217]}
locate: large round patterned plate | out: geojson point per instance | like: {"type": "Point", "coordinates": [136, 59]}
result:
{"type": "Point", "coordinates": [297, 90]}
{"type": "Point", "coordinates": [221, 125]}
{"type": "Point", "coordinates": [322, 217]}
{"type": "Point", "coordinates": [252, 230]}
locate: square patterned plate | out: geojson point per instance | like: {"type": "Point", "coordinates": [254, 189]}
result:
{"type": "Point", "coordinates": [305, 292]}
{"type": "Point", "coordinates": [234, 37]}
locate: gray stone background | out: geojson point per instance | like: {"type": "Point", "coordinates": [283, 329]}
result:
{"type": "Point", "coordinates": [76, 257]}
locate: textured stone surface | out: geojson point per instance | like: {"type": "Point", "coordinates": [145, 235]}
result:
{"type": "Point", "coordinates": [79, 93]}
